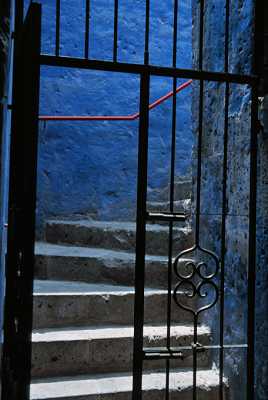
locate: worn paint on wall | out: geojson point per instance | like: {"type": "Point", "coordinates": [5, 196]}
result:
{"type": "Point", "coordinates": [90, 168]}
{"type": "Point", "coordinates": [236, 257]}
{"type": "Point", "coordinates": [262, 272]}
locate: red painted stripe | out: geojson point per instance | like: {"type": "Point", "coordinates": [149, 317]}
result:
{"type": "Point", "coordinates": [131, 117]}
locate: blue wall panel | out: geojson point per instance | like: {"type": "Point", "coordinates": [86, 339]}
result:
{"type": "Point", "coordinates": [90, 167]}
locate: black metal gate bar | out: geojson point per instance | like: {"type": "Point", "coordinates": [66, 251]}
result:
{"type": "Point", "coordinates": [115, 50]}
{"type": "Point", "coordinates": [19, 16]}
{"type": "Point", "coordinates": [57, 35]}
{"type": "Point", "coordinates": [7, 358]}
{"type": "Point", "coordinates": [141, 237]}
{"type": "Point", "coordinates": [147, 32]}
{"type": "Point", "coordinates": [130, 68]}
{"type": "Point", "coordinates": [198, 182]}
{"type": "Point", "coordinates": [16, 367]}
{"type": "Point", "coordinates": [252, 245]}
{"type": "Point", "coordinates": [258, 68]}
{"type": "Point", "coordinates": [224, 199]}
{"type": "Point", "coordinates": [200, 123]}
{"type": "Point", "coordinates": [141, 218]}
{"type": "Point", "coordinates": [87, 28]}
{"type": "Point", "coordinates": [171, 194]}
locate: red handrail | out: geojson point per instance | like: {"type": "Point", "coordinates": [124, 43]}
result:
{"type": "Point", "coordinates": [131, 117]}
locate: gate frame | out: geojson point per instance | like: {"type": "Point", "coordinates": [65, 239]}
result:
{"type": "Point", "coordinates": [17, 330]}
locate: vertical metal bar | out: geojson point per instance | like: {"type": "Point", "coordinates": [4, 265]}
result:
{"type": "Point", "coordinates": [252, 247]}
{"type": "Point", "coordinates": [30, 114]}
{"type": "Point", "coordinates": [224, 200]}
{"type": "Point", "coordinates": [201, 34]}
{"type": "Point", "coordinates": [175, 33]}
{"type": "Point", "coordinates": [260, 60]}
{"type": "Point", "coordinates": [223, 238]}
{"type": "Point", "coordinates": [197, 227]}
{"type": "Point", "coordinates": [115, 31]}
{"type": "Point", "coordinates": [262, 44]}
{"type": "Point", "coordinates": [87, 27]}
{"type": "Point", "coordinates": [199, 176]}
{"type": "Point", "coordinates": [58, 12]}
{"type": "Point", "coordinates": [257, 68]}
{"type": "Point", "coordinates": [147, 33]}
{"type": "Point", "coordinates": [200, 127]}
{"type": "Point", "coordinates": [171, 194]}
{"type": "Point", "coordinates": [195, 357]}
{"type": "Point", "coordinates": [8, 386]}
{"type": "Point", "coordinates": [141, 237]}
{"type": "Point", "coordinates": [19, 15]}
{"type": "Point", "coordinates": [16, 366]}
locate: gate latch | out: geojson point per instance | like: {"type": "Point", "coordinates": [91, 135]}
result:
{"type": "Point", "coordinates": [198, 347]}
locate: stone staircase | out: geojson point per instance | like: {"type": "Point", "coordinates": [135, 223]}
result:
{"type": "Point", "coordinates": [83, 314]}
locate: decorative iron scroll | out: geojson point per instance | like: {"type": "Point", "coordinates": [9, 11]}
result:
{"type": "Point", "coordinates": [198, 280]}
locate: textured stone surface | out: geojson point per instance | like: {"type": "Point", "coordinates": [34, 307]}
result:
{"type": "Point", "coordinates": [262, 272]}
{"type": "Point", "coordinates": [119, 387]}
{"type": "Point", "coordinates": [182, 191]}
{"type": "Point", "coordinates": [88, 328]}
{"type": "Point", "coordinates": [116, 235]}
{"type": "Point", "coordinates": [107, 349]}
{"type": "Point", "coordinates": [59, 304]}
{"type": "Point", "coordinates": [236, 258]}
{"type": "Point", "coordinates": [73, 263]}
{"type": "Point", "coordinates": [91, 167]}
{"type": "Point", "coordinates": [180, 206]}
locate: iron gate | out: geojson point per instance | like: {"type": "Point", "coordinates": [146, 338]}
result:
{"type": "Point", "coordinates": [16, 366]}
{"type": "Point", "coordinates": [22, 206]}
{"type": "Point", "coordinates": [198, 278]}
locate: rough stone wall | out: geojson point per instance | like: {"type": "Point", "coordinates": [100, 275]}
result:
{"type": "Point", "coordinates": [236, 258]}
{"type": "Point", "coordinates": [262, 272]}
{"type": "Point", "coordinates": [90, 167]}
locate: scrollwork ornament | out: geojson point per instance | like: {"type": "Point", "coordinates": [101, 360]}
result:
{"type": "Point", "coordinates": [196, 280]}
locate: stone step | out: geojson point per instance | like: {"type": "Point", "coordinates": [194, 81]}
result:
{"type": "Point", "coordinates": [116, 235]}
{"type": "Point", "coordinates": [180, 206]}
{"type": "Point", "coordinates": [96, 265]}
{"type": "Point", "coordinates": [64, 352]}
{"type": "Point", "coordinates": [182, 191]}
{"type": "Point", "coordinates": [65, 304]}
{"type": "Point", "coordinates": [119, 386]}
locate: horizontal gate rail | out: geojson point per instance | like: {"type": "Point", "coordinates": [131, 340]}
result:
{"type": "Point", "coordinates": [139, 69]}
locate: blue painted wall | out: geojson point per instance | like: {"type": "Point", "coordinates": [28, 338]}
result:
{"type": "Point", "coordinates": [238, 188]}
{"type": "Point", "coordinates": [90, 167]}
